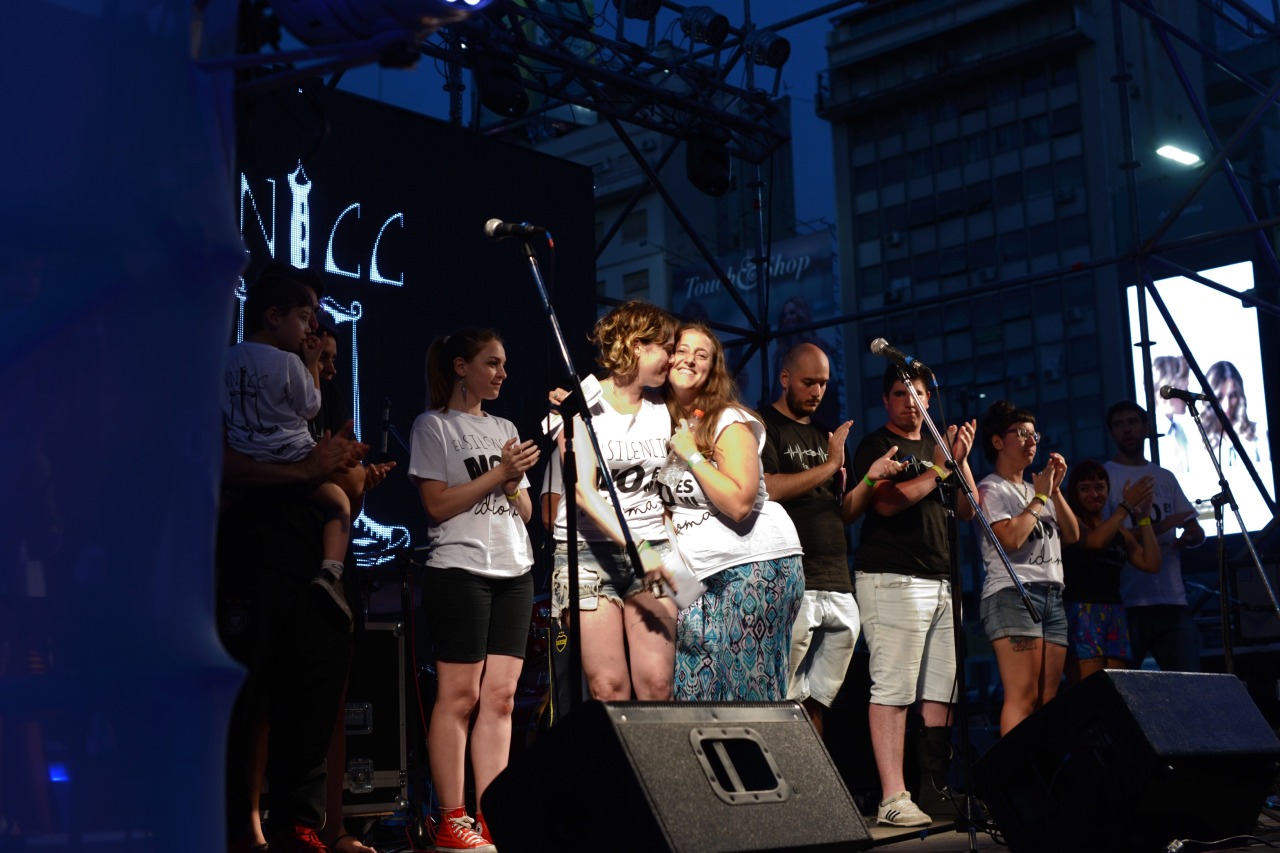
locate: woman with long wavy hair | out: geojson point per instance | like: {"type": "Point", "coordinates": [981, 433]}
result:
{"type": "Point", "coordinates": [733, 643]}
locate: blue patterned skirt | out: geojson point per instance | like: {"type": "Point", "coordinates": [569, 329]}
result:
{"type": "Point", "coordinates": [734, 643]}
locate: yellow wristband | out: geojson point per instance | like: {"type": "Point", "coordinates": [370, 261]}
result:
{"type": "Point", "coordinates": [942, 473]}
{"type": "Point", "coordinates": [1145, 521]}
{"type": "Point", "coordinates": [513, 495]}
{"type": "Point", "coordinates": [1044, 499]}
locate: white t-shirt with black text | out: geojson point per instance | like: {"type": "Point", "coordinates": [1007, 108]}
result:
{"type": "Point", "coordinates": [489, 538]}
{"type": "Point", "coordinates": [1039, 558]}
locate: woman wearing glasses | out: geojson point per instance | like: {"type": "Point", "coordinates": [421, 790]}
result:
{"type": "Point", "coordinates": [1032, 521]}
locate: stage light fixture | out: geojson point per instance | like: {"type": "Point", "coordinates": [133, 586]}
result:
{"type": "Point", "coordinates": [768, 48]}
{"type": "Point", "coordinates": [500, 86]}
{"type": "Point", "coordinates": [706, 161]}
{"type": "Point", "coordinates": [338, 21]}
{"type": "Point", "coordinates": [704, 24]}
{"type": "Point", "coordinates": [641, 10]}
{"type": "Point", "coordinates": [1177, 155]}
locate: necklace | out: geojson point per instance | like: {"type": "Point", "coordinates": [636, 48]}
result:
{"type": "Point", "coordinates": [1021, 486]}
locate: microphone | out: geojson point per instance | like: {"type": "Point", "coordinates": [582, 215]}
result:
{"type": "Point", "coordinates": [496, 229]}
{"type": "Point", "coordinates": [1171, 393]}
{"type": "Point", "coordinates": [881, 347]}
{"type": "Point", "coordinates": [386, 428]}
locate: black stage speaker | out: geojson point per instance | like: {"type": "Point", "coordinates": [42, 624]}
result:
{"type": "Point", "coordinates": [655, 776]}
{"type": "Point", "coordinates": [1130, 760]}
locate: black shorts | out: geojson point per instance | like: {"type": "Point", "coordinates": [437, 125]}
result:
{"type": "Point", "coordinates": [472, 616]}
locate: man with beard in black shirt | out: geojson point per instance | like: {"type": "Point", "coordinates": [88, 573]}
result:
{"type": "Point", "coordinates": [804, 472]}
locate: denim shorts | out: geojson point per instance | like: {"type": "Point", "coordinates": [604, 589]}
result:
{"type": "Point", "coordinates": [1004, 614]}
{"type": "Point", "coordinates": [603, 572]}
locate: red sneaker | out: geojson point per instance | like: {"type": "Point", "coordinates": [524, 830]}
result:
{"type": "Point", "coordinates": [482, 828]}
{"type": "Point", "coordinates": [300, 839]}
{"type": "Point", "coordinates": [455, 832]}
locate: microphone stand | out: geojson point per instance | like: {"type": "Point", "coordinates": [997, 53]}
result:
{"type": "Point", "coordinates": [571, 479]}
{"type": "Point", "coordinates": [957, 595]}
{"type": "Point", "coordinates": [1221, 499]}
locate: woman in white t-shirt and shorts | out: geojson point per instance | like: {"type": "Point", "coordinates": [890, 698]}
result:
{"type": "Point", "coordinates": [1032, 521]}
{"type": "Point", "coordinates": [628, 631]}
{"type": "Point", "coordinates": [470, 468]}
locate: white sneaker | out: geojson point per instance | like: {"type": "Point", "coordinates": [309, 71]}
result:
{"type": "Point", "coordinates": [899, 810]}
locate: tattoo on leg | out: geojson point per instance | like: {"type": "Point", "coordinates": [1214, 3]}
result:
{"type": "Point", "coordinates": [1023, 644]}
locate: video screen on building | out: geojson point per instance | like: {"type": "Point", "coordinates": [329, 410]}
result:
{"type": "Point", "coordinates": [1222, 335]}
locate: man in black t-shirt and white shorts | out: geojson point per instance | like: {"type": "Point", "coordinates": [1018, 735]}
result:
{"type": "Point", "coordinates": [904, 594]}
{"type": "Point", "coordinates": [804, 471]}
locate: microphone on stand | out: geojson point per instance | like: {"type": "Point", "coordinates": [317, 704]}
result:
{"type": "Point", "coordinates": [386, 429]}
{"type": "Point", "coordinates": [1171, 393]}
{"type": "Point", "coordinates": [496, 229]}
{"type": "Point", "coordinates": [881, 347]}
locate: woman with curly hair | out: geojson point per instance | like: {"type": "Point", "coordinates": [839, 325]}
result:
{"type": "Point", "coordinates": [628, 631]}
{"type": "Point", "coordinates": [733, 643]}
{"type": "Point", "coordinates": [1032, 521]}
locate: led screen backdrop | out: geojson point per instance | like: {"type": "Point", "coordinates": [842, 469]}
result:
{"type": "Point", "coordinates": [389, 207]}
{"type": "Point", "coordinates": [1222, 334]}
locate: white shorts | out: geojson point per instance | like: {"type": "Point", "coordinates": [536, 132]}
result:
{"type": "Point", "coordinates": [907, 624]}
{"type": "Point", "coordinates": [822, 641]}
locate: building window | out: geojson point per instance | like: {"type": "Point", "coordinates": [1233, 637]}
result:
{"type": "Point", "coordinates": [1035, 130]}
{"type": "Point", "coordinates": [635, 227]}
{"type": "Point", "coordinates": [864, 177]}
{"type": "Point", "coordinates": [977, 147]}
{"type": "Point", "coordinates": [1064, 71]}
{"type": "Point", "coordinates": [1065, 120]}
{"type": "Point", "coordinates": [1006, 138]}
{"type": "Point", "coordinates": [1008, 189]}
{"type": "Point", "coordinates": [948, 154]}
{"type": "Point", "coordinates": [635, 284]}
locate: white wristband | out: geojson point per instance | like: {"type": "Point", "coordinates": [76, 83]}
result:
{"type": "Point", "coordinates": [695, 458]}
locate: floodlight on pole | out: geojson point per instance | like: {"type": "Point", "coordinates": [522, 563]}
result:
{"type": "Point", "coordinates": [704, 24]}
{"type": "Point", "coordinates": [1177, 155]}
{"type": "Point", "coordinates": [768, 48]}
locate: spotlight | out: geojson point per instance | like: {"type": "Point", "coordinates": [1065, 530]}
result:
{"type": "Point", "coordinates": [768, 48]}
{"type": "Point", "coordinates": [337, 21]}
{"type": "Point", "coordinates": [1177, 155]}
{"type": "Point", "coordinates": [641, 10]}
{"type": "Point", "coordinates": [706, 161]}
{"type": "Point", "coordinates": [501, 88]}
{"type": "Point", "coordinates": [704, 24]}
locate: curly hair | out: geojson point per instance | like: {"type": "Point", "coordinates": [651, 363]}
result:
{"type": "Point", "coordinates": [463, 344]}
{"type": "Point", "coordinates": [719, 393]}
{"type": "Point", "coordinates": [999, 418]}
{"type": "Point", "coordinates": [617, 333]}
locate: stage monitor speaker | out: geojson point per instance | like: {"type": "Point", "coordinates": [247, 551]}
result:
{"type": "Point", "coordinates": [1129, 761]}
{"type": "Point", "coordinates": [662, 776]}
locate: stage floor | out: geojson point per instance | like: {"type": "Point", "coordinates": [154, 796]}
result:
{"type": "Point", "coordinates": [941, 838]}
